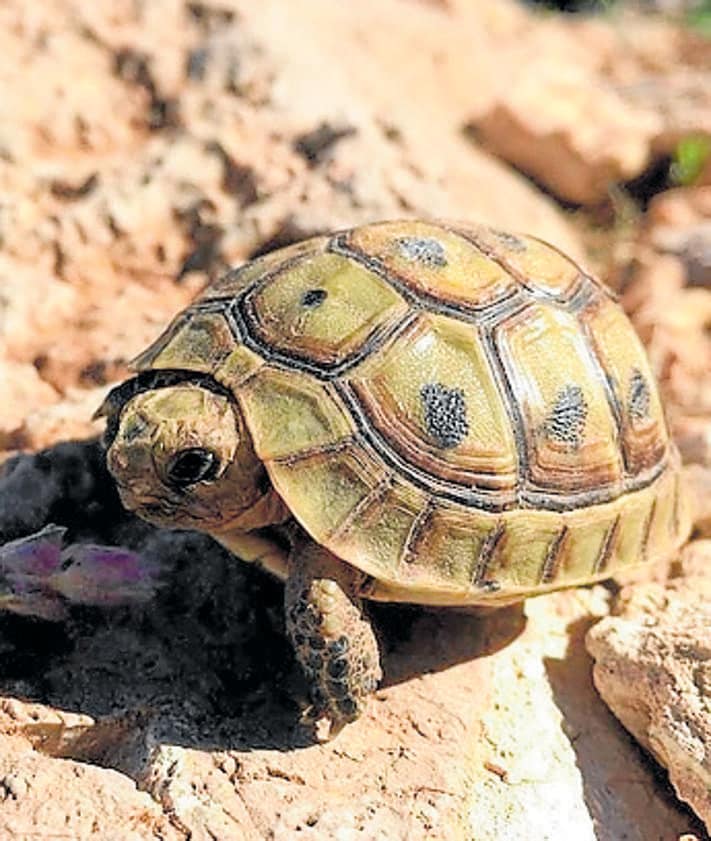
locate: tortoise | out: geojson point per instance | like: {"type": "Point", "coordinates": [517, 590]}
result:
{"type": "Point", "coordinates": [406, 411]}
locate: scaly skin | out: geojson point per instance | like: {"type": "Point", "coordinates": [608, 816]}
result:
{"type": "Point", "coordinates": [333, 639]}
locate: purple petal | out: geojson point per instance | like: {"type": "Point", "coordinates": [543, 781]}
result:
{"type": "Point", "coordinates": [38, 554]}
{"type": "Point", "coordinates": [105, 575]}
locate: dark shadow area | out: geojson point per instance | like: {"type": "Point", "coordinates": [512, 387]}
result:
{"type": "Point", "coordinates": [206, 664]}
{"type": "Point", "coordinates": [613, 798]}
{"type": "Point", "coordinates": [572, 6]}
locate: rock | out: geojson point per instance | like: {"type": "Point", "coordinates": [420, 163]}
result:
{"type": "Point", "coordinates": [43, 797]}
{"type": "Point", "coordinates": [22, 391]}
{"type": "Point", "coordinates": [698, 479]}
{"type": "Point", "coordinates": [557, 129]}
{"type": "Point", "coordinates": [630, 93]}
{"type": "Point", "coordinates": [664, 291]}
{"type": "Point", "coordinates": [653, 669]}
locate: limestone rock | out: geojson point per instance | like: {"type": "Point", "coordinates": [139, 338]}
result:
{"type": "Point", "coordinates": [653, 668]}
{"type": "Point", "coordinates": [44, 798]}
{"type": "Point", "coordinates": [631, 91]}
{"type": "Point", "coordinates": [663, 289]}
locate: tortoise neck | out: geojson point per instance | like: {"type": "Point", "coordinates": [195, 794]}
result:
{"type": "Point", "coordinates": [268, 510]}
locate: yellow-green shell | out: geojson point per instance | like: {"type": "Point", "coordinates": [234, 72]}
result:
{"type": "Point", "coordinates": [463, 414]}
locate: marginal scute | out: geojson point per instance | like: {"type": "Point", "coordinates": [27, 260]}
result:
{"type": "Point", "coordinates": [632, 539]}
{"type": "Point", "coordinates": [235, 282]}
{"type": "Point", "coordinates": [379, 533]}
{"type": "Point", "coordinates": [195, 341]}
{"type": "Point", "coordinates": [323, 489]}
{"type": "Point", "coordinates": [431, 260]}
{"type": "Point", "coordinates": [455, 538]}
{"type": "Point", "coordinates": [519, 556]}
{"type": "Point", "coordinates": [356, 307]}
{"type": "Point", "coordinates": [290, 413]}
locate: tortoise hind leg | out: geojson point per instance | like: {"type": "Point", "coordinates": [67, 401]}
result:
{"type": "Point", "coordinates": [333, 639]}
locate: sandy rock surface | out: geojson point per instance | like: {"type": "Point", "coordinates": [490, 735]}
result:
{"type": "Point", "coordinates": [151, 145]}
{"type": "Point", "coordinates": [653, 668]}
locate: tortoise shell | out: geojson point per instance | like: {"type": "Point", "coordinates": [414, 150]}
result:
{"type": "Point", "coordinates": [461, 413]}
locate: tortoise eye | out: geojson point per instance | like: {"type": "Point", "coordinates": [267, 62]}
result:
{"type": "Point", "coordinates": [188, 467]}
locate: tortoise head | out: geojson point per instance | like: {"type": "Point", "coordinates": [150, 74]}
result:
{"type": "Point", "coordinates": [181, 455]}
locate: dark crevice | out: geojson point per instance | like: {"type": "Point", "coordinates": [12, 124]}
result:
{"type": "Point", "coordinates": [317, 146]}
{"type": "Point", "coordinates": [287, 234]}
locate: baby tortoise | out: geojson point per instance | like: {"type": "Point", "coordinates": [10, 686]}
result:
{"type": "Point", "coordinates": [406, 411]}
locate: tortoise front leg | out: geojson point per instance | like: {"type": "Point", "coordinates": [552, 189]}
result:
{"type": "Point", "coordinates": [332, 637]}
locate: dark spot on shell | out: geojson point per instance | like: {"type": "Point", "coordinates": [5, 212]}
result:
{"type": "Point", "coordinates": [299, 639]}
{"type": "Point", "coordinates": [348, 707]}
{"type": "Point", "coordinates": [510, 241]}
{"type": "Point", "coordinates": [445, 414]}
{"type": "Point", "coordinates": [490, 586]}
{"type": "Point", "coordinates": [424, 250]}
{"type": "Point", "coordinates": [638, 396]}
{"type": "Point", "coordinates": [338, 647]}
{"type": "Point", "coordinates": [313, 298]}
{"type": "Point", "coordinates": [337, 668]}
{"type": "Point", "coordinates": [566, 422]}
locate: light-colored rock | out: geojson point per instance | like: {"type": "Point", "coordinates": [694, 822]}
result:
{"type": "Point", "coordinates": [22, 391]}
{"type": "Point", "coordinates": [44, 798]}
{"type": "Point", "coordinates": [632, 89]}
{"type": "Point", "coordinates": [664, 292]}
{"type": "Point", "coordinates": [653, 668]}
{"type": "Point", "coordinates": [558, 128]}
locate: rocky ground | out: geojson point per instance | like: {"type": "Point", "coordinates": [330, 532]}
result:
{"type": "Point", "coordinates": [145, 146]}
